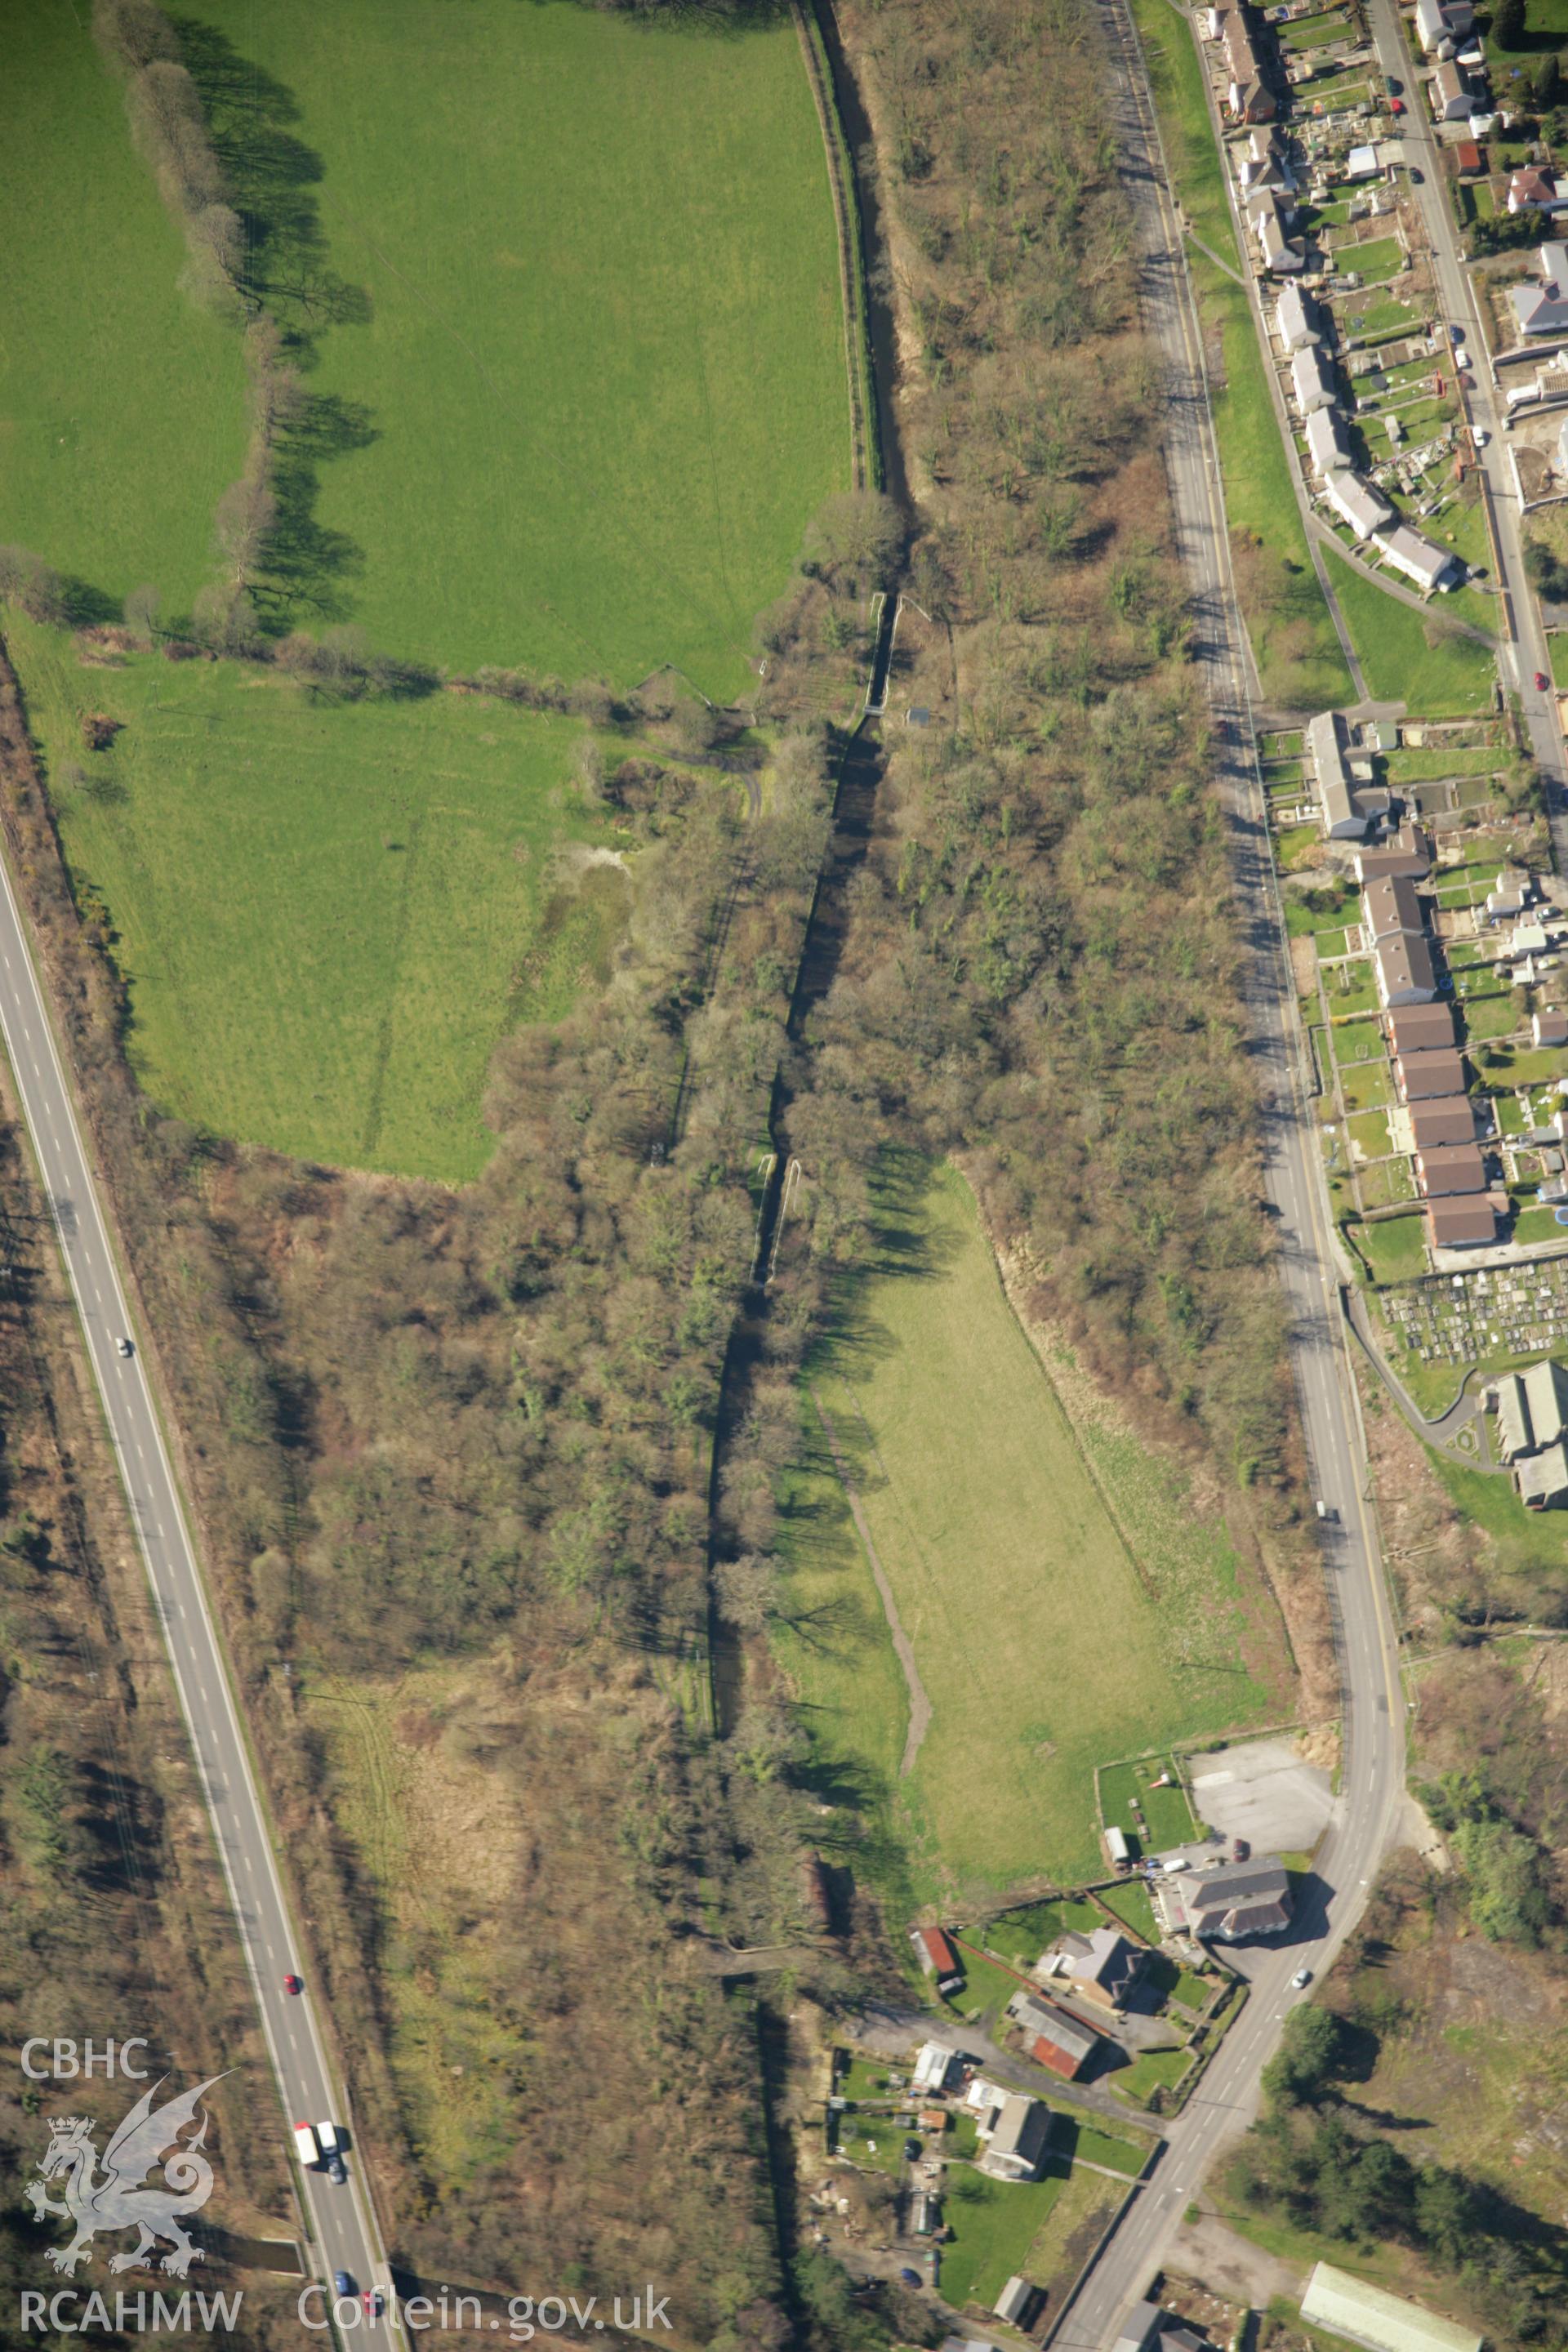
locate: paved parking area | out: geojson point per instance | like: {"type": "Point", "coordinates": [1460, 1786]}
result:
{"type": "Point", "coordinates": [1264, 1792]}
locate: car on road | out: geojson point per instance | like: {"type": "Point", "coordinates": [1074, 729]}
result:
{"type": "Point", "coordinates": [1455, 334]}
{"type": "Point", "coordinates": [335, 2170]}
{"type": "Point", "coordinates": [1394, 84]}
{"type": "Point", "coordinates": [1418, 176]}
{"type": "Point", "coordinates": [343, 2281]}
{"type": "Point", "coordinates": [373, 2301]}
{"type": "Point", "coordinates": [1541, 682]}
{"type": "Point", "coordinates": [292, 1984]}
{"type": "Point", "coordinates": [1396, 106]}
{"type": "Point", "coordinates": [123, 1347]}
{"type": "Point", "coordinates": [1302, 1978]}
{"type": "Point", "coordinates": [1479, 435]}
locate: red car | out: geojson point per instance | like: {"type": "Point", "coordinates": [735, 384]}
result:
{"type": "Point", "coordinates": [373, 2301]}
{"type": "Point", "coordinates": [1396, 106]}
{"type": "Point", "coordinates": [1541, 681]}
{"type": "Point", "coordinates": [292, 1984]}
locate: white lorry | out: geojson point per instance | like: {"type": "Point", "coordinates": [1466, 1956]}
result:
{"type": "Point", "coordinates": [306, 2142]}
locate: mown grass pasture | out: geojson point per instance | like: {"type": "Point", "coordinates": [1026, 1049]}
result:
{"type": "Point", "coordinates": [122, 405]}
{"type": "Point", "coordinates": [327, 914]}
{"type": "Point", "coordinates": [1065, 1600]}
{"type": "Point", "coordinates": [592, 349]}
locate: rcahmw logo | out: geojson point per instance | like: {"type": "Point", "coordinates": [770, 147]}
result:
{"type": "Point", "coordinates": [119, 2190]}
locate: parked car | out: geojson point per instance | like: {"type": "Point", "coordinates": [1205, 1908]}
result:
{"type": "Point", "coordinates": [1240, 1851]}
{"type": "Point", "coordinates": [1543, 683]}
{"type": "Point", "coordinates": [911, 2149]}
{"type": "Point", "coordinates": [1396, 106]}
{"type": "Point", "coordinates": [910, 2278]}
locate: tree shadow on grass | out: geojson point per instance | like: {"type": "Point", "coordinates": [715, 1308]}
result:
{"type": "Point", "coordinates": [273, 177]}
{"type": "Point", "coordinates": [726, 17]}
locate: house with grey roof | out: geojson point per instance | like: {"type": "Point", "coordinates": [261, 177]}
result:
{"type": "Point", "coordinates": [1355, 502]}
{"type": "Point", "coordinates": [1237, 1900]}
{"type": "Point", "coordinates": [1541, 308]}
{"type": "Point", "coordinates": [1015, 2138]}
{"type": "Point", "coordinates": [1341, 818]}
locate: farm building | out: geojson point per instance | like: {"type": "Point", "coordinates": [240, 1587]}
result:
{"type": "Point", "coordinates": [937, 1957]}
{"type": "Point", "coordinates": [1369, 2316]}
{"type": "Point", "coordinates": [1056, 2040]}
{"type": "Point", "coordinates": [1016, 2302]}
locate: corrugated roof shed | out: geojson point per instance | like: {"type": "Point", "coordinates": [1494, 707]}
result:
{"type": "Point", "coordinates": [1370, 2315]}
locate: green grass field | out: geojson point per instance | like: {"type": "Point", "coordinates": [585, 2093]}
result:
{"type": "Point", "coordinates": [604, 358]}
{"type": "Point", "coordinates": [993, 2225]}
{"type": "Point", "coordinates": [1292, 632]}
{"type": "Point", "coordinates": [1395, 1248]}
{"type": "Point", "coordinates": [327, 913]}
{"type": "Point", "coordinates": [1044, 1643]}
{"type": "Point", "coordinates": [122, 405]}
{"type": "Point", "coordinates": [1442, 680]}
{"type": "Point", "coordinates": [1527, 1542]}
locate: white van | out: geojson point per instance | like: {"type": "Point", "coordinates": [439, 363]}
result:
{"type": "Point", "coordinates": [305, 2141]}
{"type": "Point", "coordinates": [328, 2136]}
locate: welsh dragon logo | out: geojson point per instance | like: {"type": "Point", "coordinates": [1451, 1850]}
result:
{"type": "Point", "coordinates": [115, 2198]}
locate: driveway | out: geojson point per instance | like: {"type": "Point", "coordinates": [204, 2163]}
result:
{"type": "Point", "coordinates": [1264, 1793]}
